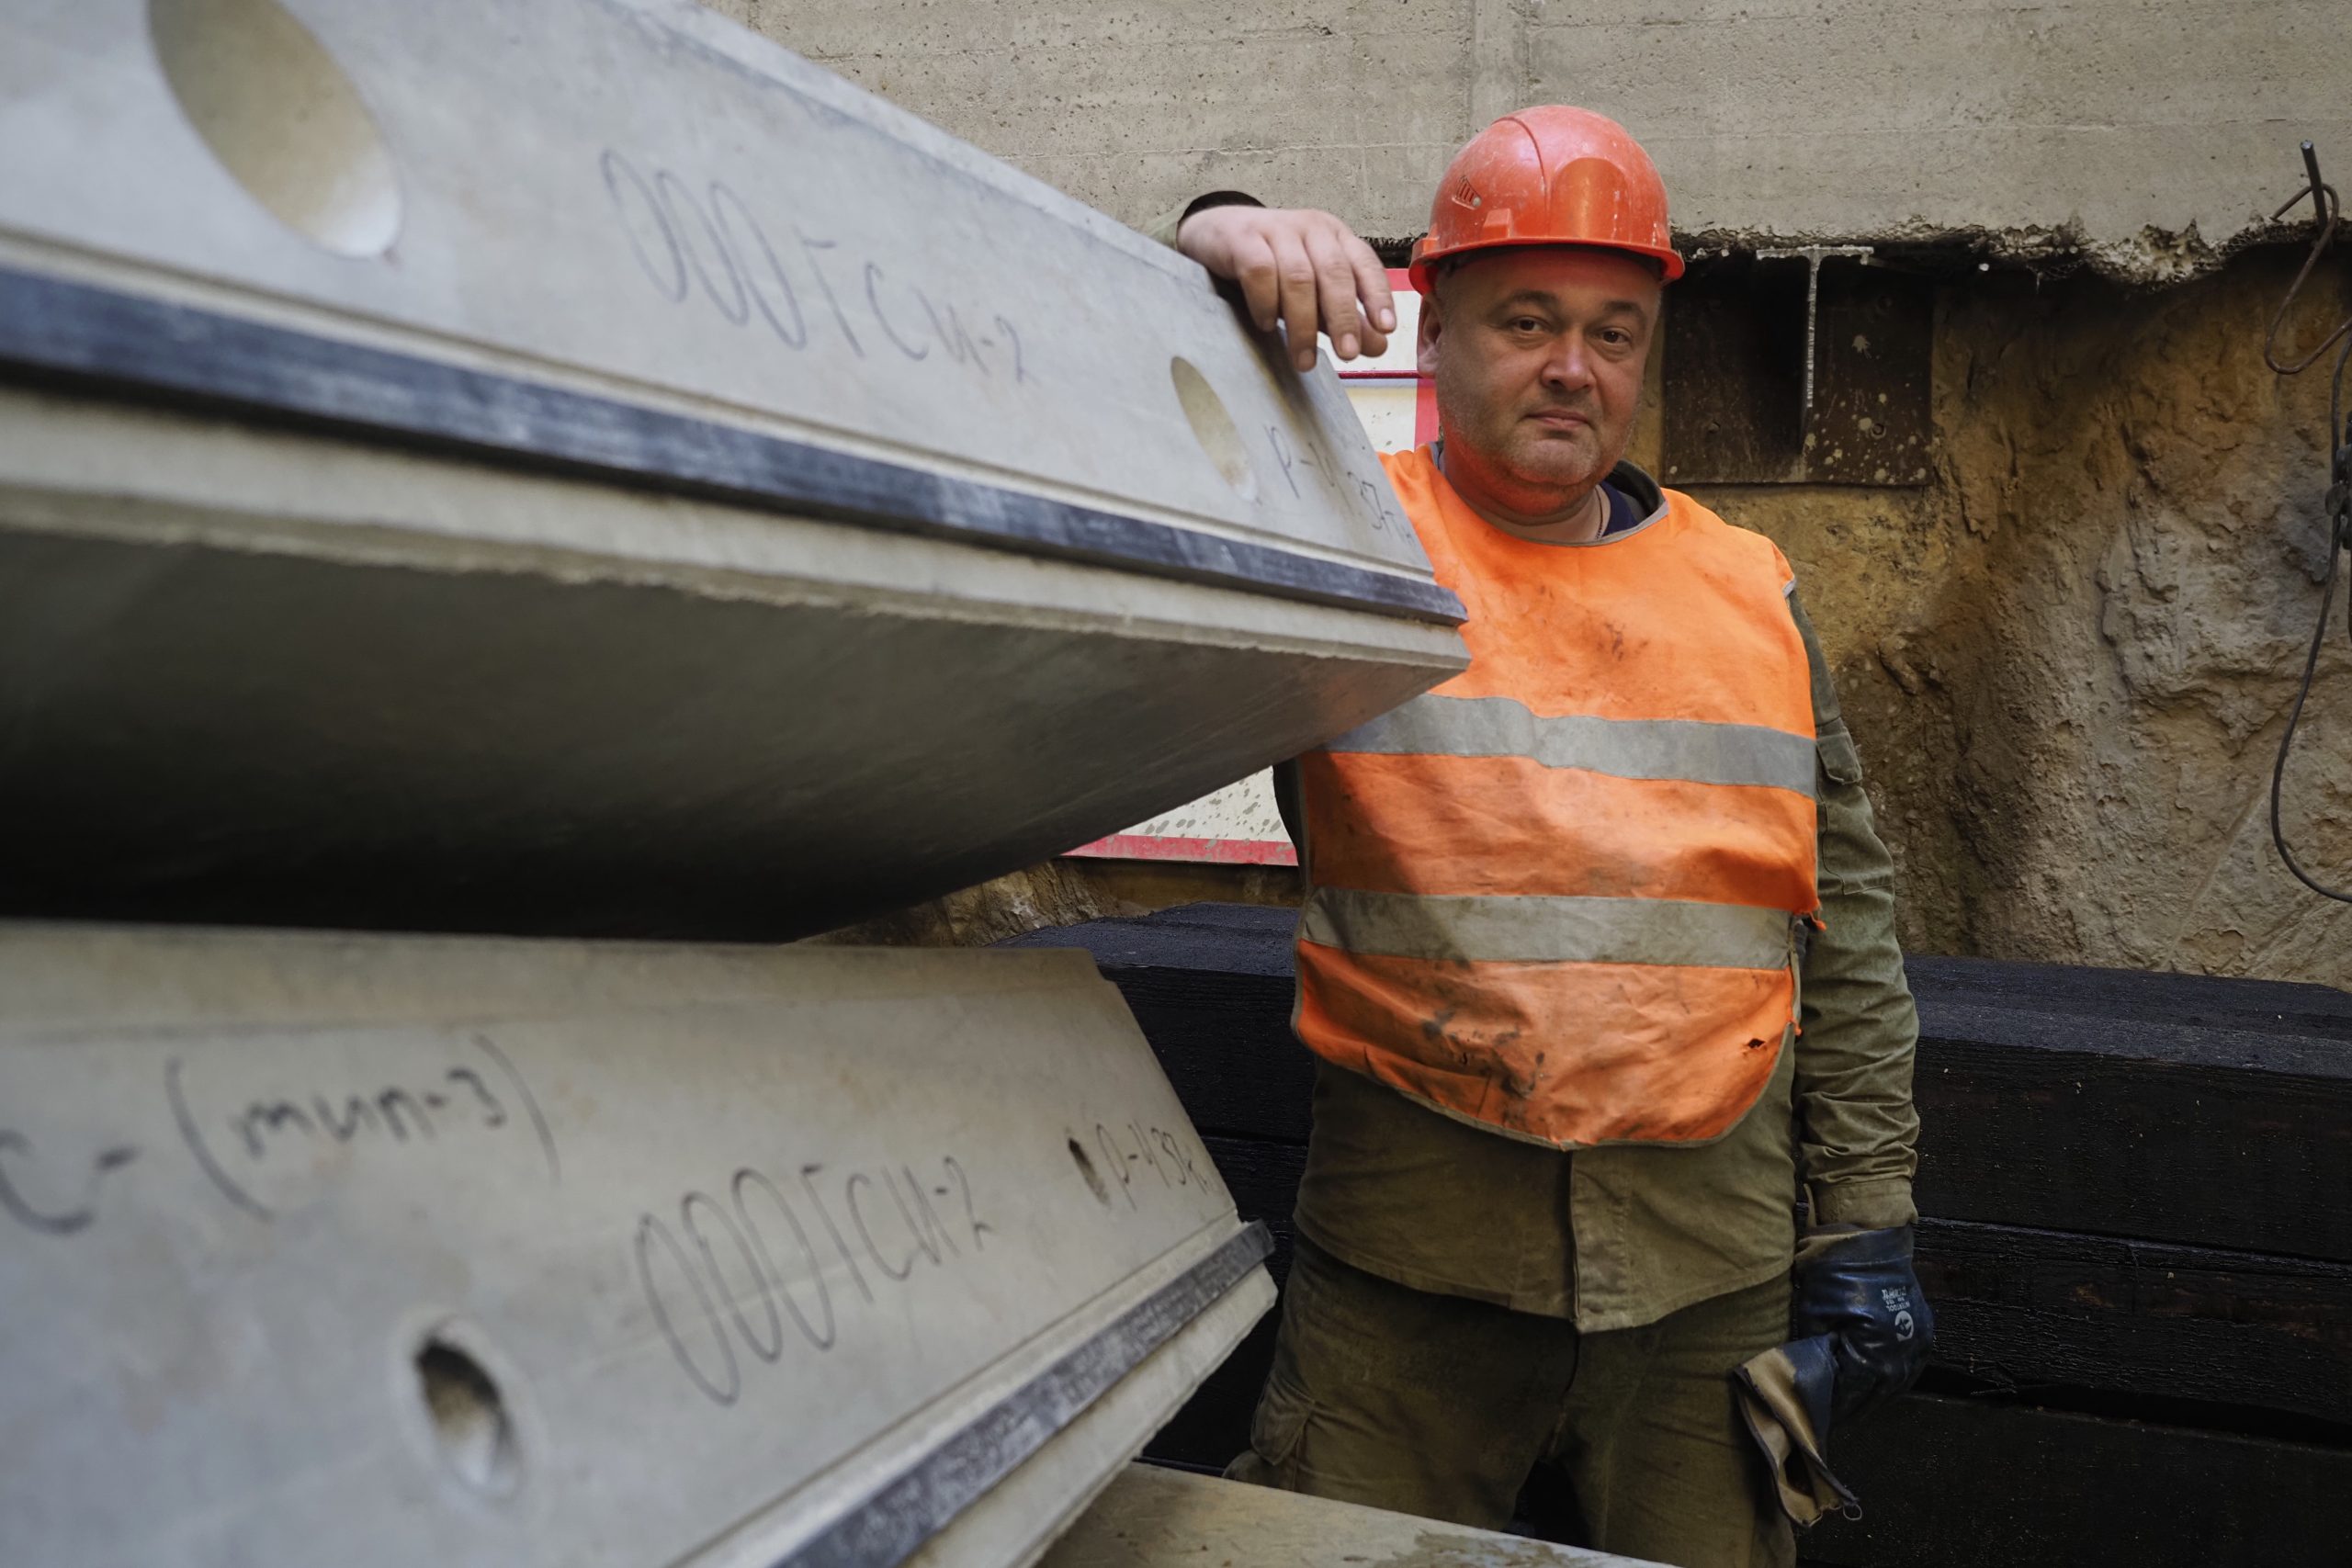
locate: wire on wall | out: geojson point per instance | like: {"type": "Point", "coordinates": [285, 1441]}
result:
{"type": "Point", "coordinates": [2326, 210]}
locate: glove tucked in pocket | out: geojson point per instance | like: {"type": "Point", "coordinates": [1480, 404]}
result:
{"type": "Point", "coordinates": [1784, 1395]}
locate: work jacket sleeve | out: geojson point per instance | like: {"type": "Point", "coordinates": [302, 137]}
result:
{"type": "Point", "coordinates": [1163, 228]}
{"type": "Point", "coordinates": [1857, 1130]}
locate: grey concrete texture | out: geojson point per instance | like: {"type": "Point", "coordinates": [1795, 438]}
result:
{"type": "Point", "coordinates": [613, 525]}
{"type": "Point", "coordinates": [1154, 1518]}
{"type": "Point", "coordinates": [278, 678]}
{"type": "Point", "coordinates": [672, 212]}
{"type": "Point", "coordinates": [474, 1252]}
{"type": "Point", "coordinates": [2146, 137]}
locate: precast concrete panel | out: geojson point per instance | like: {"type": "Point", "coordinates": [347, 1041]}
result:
{"type": "Point", "coordinates": [574, 465]}
{"type": "Point", "coordinates": [1156, 1517]}
{"type": "Point", "coordinates": [384, 1250]}
{"type": "Point", "coordinates": [2147, 139]}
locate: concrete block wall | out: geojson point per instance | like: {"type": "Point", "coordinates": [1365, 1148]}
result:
{"type": "Point", "coordinates": [2148, 137]}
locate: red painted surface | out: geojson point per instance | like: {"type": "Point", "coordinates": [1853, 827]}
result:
{"type": "Point", "coordinates": [1400, 281]}
{"type": "Point", "coordinates": [1217, 851]}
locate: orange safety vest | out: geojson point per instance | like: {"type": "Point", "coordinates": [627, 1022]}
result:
{"type": "Point", "coordinates": [1560, 895]}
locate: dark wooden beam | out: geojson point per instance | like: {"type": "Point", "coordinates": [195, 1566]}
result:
{"type": "Point", "coordinates": [2035, 1310]}
{"type": "Point", "coordinates": [1962, 1484]}
{"type": "Point", "coordinates": [2222, 1134]}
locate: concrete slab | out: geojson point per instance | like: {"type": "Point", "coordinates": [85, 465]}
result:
{"type": "Point", "coordinates": [597, 471]}
{"type": "Point", "coordinates": [478, 1252]}
{"type": "Point", "coordinates": [2144, 137]}
{"type": "Point", "coordinates": [1152, 1518]}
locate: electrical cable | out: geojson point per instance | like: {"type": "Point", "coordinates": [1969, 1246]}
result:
{"type": "Point", "coordinates": [2339, 493]}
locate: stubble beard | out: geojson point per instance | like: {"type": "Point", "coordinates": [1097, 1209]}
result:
{"type": "Point", "coordinates": [1534, 470]}
{"type": "Point", "coordinates": [1543, 470]}
{"type": "Point", "coordinates": [1542, 459]}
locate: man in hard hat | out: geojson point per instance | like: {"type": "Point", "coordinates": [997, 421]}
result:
{"type": "Point", "coordinates": [1597, 954]}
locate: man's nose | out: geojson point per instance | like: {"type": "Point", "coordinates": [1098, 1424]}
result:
{"type": "Point", "coordinates": [1570, 368]}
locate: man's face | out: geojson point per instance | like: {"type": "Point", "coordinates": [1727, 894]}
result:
{"type": "Point", "coordinates": [1537, 353]}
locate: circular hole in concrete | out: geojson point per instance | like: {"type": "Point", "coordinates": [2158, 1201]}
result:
{"type": "Point", "coordinates": [1214, 427]}
{"type": "Point", "coordinates": [1100, 1188]}
{"type": "Point", "coordinates": [468, 1418]}
{"type": "Point", "coordinates": [282, 117]}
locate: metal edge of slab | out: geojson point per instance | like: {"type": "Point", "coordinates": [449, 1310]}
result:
{"type": "Point", "coordinates": [129, 345]}
{"type": "Point", "coordinates": [892, 1523]}
{"type": "Point", "coordinates": [1021, 1517]}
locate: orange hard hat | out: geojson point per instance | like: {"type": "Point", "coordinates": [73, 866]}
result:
{"type": "Point", "coordinates": [1548, 175]}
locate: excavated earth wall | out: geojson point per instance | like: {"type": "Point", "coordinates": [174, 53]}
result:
{"type": "Point", "coordinates": [2069, 659]}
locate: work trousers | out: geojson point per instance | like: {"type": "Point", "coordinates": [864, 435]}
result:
{"type": "Point", "coordinates": [1443, 1406]}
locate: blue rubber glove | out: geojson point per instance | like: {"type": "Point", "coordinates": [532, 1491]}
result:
{"type": "Point", "coordinates": [1856, 1290]}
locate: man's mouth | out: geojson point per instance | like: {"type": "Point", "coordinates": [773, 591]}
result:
{"type": "Point", "coordinates": [1561, 418]}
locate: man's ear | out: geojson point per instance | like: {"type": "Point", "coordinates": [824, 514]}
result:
{"type": "Point", "coordinates": [1425, 337]}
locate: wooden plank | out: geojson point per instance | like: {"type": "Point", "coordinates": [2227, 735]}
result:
{"type": "Point", "coordinates": [1263, 1179]}
{"type": "Point", "coordinates": [2032, 1310]}
{"type": "Point", "coordinates": [1228, 1049]}
{"type": "Point", "coordinates": [2193, 1000]}
{"type": "Point", "coordinates": [1957, 1484]}
{"type": "Point", "coordinates": [2097, 1237]}
{"type": "Point", "coordinates": [2223, 1136]}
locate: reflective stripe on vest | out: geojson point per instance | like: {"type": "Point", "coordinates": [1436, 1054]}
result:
{"type": "Point", "coordinates": [1623, 747]}
{"type": "Point", "coordinates": [1539, 928]}
{"type": "Point", "coordinates": [1559, 895]}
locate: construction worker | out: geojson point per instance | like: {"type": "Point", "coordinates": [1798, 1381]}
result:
{"type": "Point", "coordinates": [1611, 1169]}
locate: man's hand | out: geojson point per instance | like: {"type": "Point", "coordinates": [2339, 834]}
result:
{"type": "Point", "coordinates": [1856, 1288]}
{"type": "Point", "coordinates": [1301, 268]}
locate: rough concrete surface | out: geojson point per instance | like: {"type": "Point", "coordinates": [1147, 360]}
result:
{"type": "Point", "coordinates": [1152, 1518]}
{"type": "Point", "coordinates": [500, 1253]}
{"type": "Point", "coordinates": [2146, 137]}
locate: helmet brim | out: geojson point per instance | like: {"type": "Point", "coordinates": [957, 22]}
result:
{"type": "Point", "coordinates": [1423, 265]}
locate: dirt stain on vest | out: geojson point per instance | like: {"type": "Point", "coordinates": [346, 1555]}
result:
{"type": "Point", "coordinates": [1516, 1082]}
